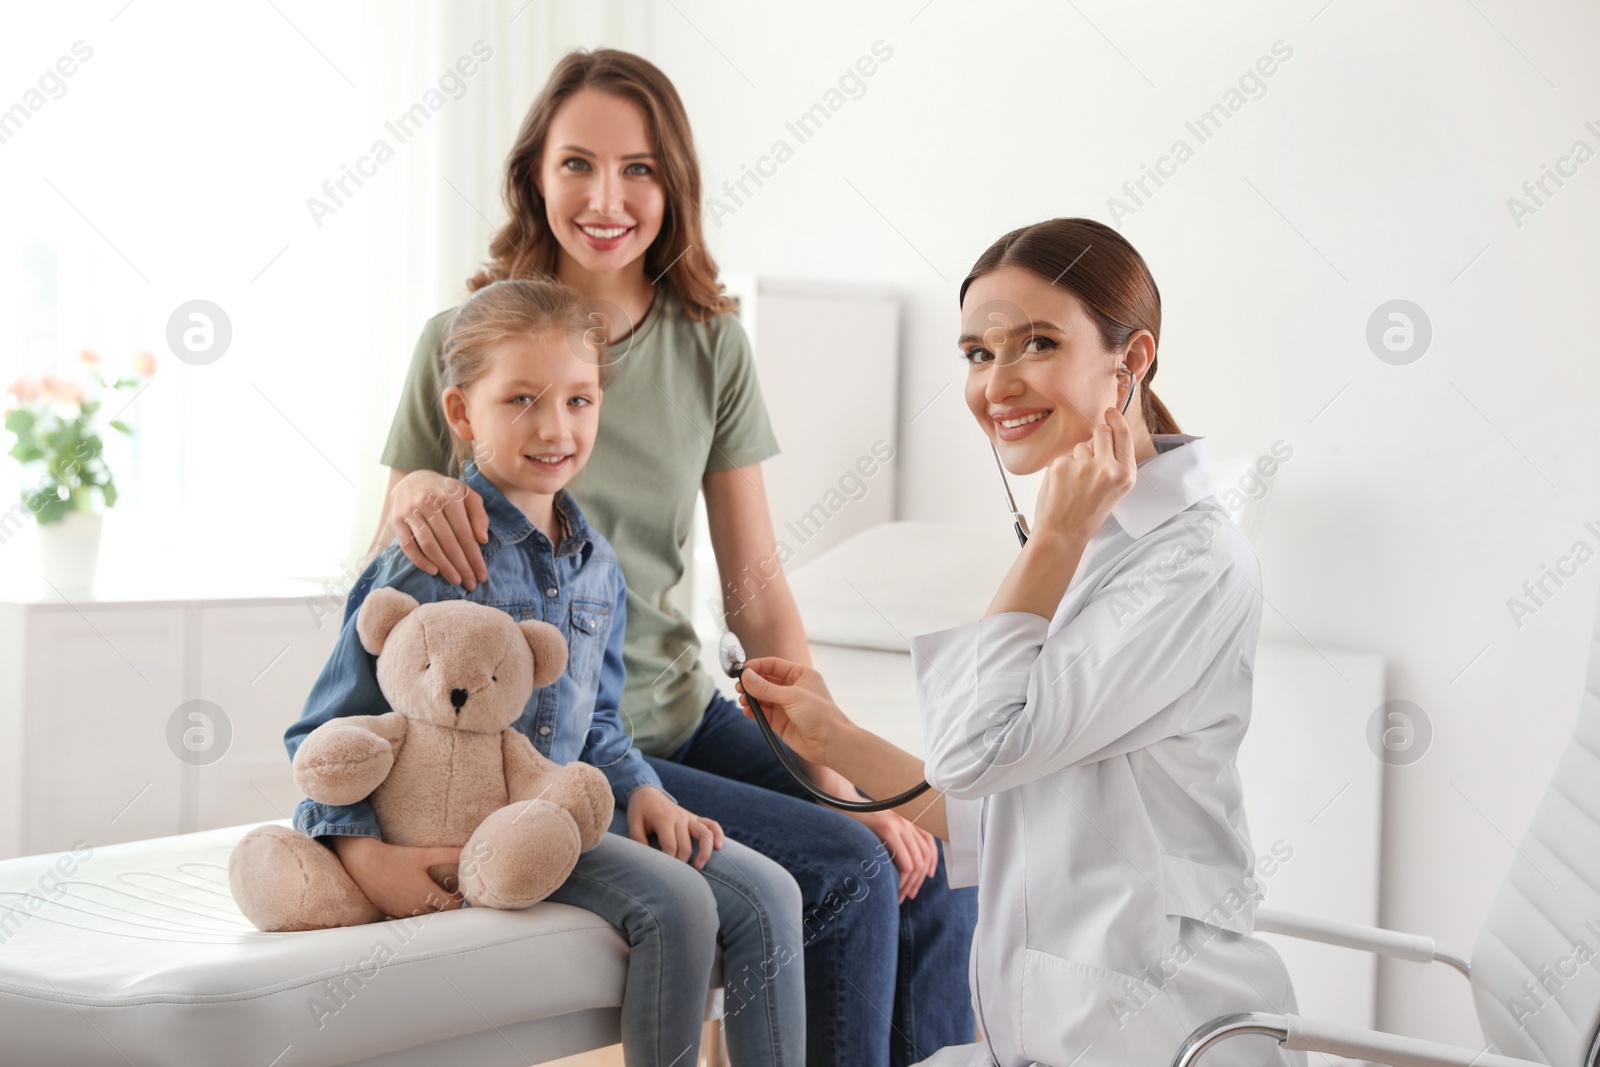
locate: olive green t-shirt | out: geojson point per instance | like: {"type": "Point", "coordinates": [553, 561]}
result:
{"type": "Point", "coordinates": [684, 401]}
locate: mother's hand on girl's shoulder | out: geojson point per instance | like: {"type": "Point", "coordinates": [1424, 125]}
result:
{"type": "Point", "coordinates": [440, 522]}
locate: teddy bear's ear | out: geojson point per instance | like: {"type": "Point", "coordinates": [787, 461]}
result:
{"type": "Point", "coordinates": [381, 612]}
{"type": "Point", "coordinates": [549, 651]}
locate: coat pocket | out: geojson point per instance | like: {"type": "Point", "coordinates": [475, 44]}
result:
{"type": "Point", "coordinates": [1076, 1013]}
{"type": "Point", "coordinates": [591, 625]}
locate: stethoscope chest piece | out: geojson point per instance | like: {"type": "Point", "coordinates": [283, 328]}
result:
{"type": "Point", "coordinates": [731, 652]}
{"type": "Point", "coordinates": [731, 655]}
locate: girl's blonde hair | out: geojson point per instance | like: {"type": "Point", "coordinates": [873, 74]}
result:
{"type": "Point", "coordinates": [510, 308]}
{"type": "Point", "coordinates": [678, 258]}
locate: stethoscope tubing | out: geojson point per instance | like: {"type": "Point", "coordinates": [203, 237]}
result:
{"type": "Point", "coordinates": [1018, 523]}
{"type": "Point", "coordinates": [780, 750]}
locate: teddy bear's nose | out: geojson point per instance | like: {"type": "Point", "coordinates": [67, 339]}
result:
{"type": "Point", "coordinates": [458, 697]}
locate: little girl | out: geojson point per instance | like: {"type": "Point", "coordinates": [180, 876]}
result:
{"type": "Point", "coordinates": [522, 391]}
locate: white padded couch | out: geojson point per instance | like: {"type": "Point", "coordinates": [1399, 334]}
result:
{"type": "Point", "coordinates": [136, 954]}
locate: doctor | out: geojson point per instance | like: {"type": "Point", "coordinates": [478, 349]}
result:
{"type": "Point", "coordinates": [1081, 736]}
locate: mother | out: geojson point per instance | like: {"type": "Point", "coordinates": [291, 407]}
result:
{"type": "Point", "coordinates": [602, 190]}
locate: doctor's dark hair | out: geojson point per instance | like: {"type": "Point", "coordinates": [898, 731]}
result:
{"type": "Point", "coordinates": [1107, 275]}
{"type": "Point", "coordinates": [677, 258]}
{"type": "Point", "coordinates": [510, 308]}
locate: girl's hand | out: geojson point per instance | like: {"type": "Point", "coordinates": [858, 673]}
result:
{"type": "Point", "coordinates": [650, 811]}
{"type": "Point", "coordinates": [796, 702]}
{"type": "Point", "coordinates": [915, 851]}
{"type": "Point", "coordinates": [395, 877]}
{"type": "Point", "coordinates": [439, 523]}
{"type": "Point", "coordinates": [1079, 489]}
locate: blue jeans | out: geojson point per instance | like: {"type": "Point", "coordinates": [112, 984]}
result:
{"type": "Point", "coordinates": [673, 917]}
{"type": "Point", "coordinates": [884, 984]}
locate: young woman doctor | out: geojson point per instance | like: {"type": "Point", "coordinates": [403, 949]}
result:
{"type": "Point", "coordinates": [1081, 736]}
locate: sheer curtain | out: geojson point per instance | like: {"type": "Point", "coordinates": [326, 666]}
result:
{"type": "Point", "coordinates": [327, 175]}
{"type": "Point", "coordinates": [444, 198]}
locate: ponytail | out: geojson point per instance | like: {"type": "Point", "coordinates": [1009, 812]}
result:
{"type": "Point", "coordinates": [1157, 419]}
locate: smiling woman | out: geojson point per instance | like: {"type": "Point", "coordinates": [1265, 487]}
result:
{"type": "Point", "coordinates": [649, 194]}
{"type": "Point", "coordinates": [1083, 733]}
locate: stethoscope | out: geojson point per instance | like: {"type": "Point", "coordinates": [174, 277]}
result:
{"type": "Point", "coordinates": [731, 654]}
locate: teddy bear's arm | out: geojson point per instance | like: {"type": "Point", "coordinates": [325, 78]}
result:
{"type": "Point", "coordinates": [578, 787]}
{"type": "Point", "coordinates": [345, 759]}
{"type": "Point", "coordinates": [526, 767]}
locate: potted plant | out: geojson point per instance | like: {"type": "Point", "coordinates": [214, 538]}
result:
{"type": "Point", "coordinates": [56, 423]}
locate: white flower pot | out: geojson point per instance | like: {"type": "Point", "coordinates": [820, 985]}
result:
{"type": "Point", "coordinates": [69, 550]}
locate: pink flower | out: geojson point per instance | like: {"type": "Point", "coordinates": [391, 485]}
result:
{"type": "Point", "coordinates": [88, 357]}
{"type": "Point", "coordinates": [26, 390]}
{"type": "Point", "coordinates": [144, 365]}
{"type": "Point", "coordinates": [60, 391]}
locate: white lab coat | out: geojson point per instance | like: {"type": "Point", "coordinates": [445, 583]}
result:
{"type": "Point", "coordinates": [1088, 769]}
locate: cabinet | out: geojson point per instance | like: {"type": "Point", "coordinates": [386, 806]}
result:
{"type": "Point", "coordinates": [133, 716]}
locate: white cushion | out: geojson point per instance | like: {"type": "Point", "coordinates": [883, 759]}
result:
{"type": "Point", "coordinates": [137, 953]}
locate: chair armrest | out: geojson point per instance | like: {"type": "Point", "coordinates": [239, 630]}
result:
{"type": "Point", "coordinates": [1309, 1035]}
{"type": "Point", "coordinates": [1332, 1039]}
{"type": "Point", "coordinates": [1413, 947]}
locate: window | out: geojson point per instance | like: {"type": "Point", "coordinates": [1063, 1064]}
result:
{"type": "Point", "coordinates": [174, 163]}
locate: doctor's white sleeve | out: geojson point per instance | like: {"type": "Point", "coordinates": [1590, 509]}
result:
{"type": "Point", "coordinates": [1003, 704]}
{"type": "Point", "coordinates": [962, 856]}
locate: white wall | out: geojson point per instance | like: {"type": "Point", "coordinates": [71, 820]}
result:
{"type": "Point", "coordinates": [1376, 165]}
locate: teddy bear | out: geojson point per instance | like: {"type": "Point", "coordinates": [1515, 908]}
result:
{"type": "Point", "coordinates": [445, 767]}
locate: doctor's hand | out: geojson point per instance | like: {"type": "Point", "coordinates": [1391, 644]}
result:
{"type": "Point", "coordinates": [440, 522]}
{"type": "Point", "coordinates": [1080, 488]}
{"type": "Point", "coordinates": [804, 716]}
{"type": "Point", "coordinates": [797, 704]}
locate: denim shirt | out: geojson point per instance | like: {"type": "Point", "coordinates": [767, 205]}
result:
{"type": "Point", "coordinates": [576, 586]}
